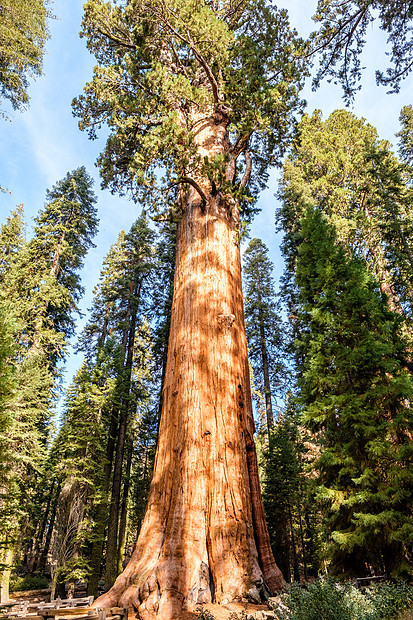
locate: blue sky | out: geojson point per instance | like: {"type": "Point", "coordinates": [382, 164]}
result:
{"type": "Point", "coordinates": [39, 146]}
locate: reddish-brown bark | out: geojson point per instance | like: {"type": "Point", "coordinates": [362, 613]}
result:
{"type": "Point", "coordinates": [204, 535]}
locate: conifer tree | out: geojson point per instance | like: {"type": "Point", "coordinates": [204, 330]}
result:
{"type": "Point", "coordinates": [62, 236]}
{"type": "Point", "coordinates": [207, 95]}
{"type": "Point", "coordinates": [342, 168]}
{"type": "Point", "coordinates": [355, 388]}
{"type": "Point", "coordinates": [121, 300]}
{"type": "Point", "coordinates": [102, 340]}
{"type": "Point", "coordinates": [405, 135]}
{"type": "Point", "coordinates": [41, 286]}
{"type": "Point", "coordinates": [163, 288]}
{"type": "Point", "coordinates": [287, 499]}
{"type": "Point", "coordinates": [80, 449]}
{"type": "Point", "coordinates": [131, 290]}
{"type": "Point", "coordinates": [263, 324]}
{"type": "Point", "coordinates": [23, 440]}
{"type": "Point", "coordinates": [23, 35]}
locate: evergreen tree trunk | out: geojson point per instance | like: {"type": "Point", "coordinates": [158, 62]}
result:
{"type": "Point", "coordinates": [40, 533]}
{"type": "Point", "coordinates": [294, 548]}
{"type": "Point", "coordinates": [100, 520]}
{"type": "Point", "coordinates": [114, 515]}
{"type": "Point", "coordinates": [266, 373]}
{"type": "Point", "coordinates": [204, 535]}
{"type": "Point", "coordinates": [45, 551]}
{"type": "Point", "coordinates": [303, 546]}
{"type": "Point", "coordinates": [124, 506]}
{"type": "Point", "coordinates": [6, 561]}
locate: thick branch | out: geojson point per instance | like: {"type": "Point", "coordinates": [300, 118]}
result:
{"type": "Point", "coordinates": [248, 168]}
{"type": "Point", "coordinates": [240, 145]}
{"type": "Point", "coordinates": [194, 184]}
{"type": "Point", "coordinates": [122, 43]}
{"type": "Point", "coordinates": [352, 31]}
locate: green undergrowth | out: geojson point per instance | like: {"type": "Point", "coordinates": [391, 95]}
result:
{"type": "Point", "coordinates": [326, 599]}
{"type": "Point", "coordinates": [28, 582]}
{"type": "Point", "coordinates": [329, 600]}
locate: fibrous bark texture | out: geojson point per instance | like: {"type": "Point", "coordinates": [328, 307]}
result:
{"type": "Point", "coordinates": [204, 536]}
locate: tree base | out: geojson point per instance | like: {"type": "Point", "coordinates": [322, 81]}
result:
{"type": "Point", "coordinates": [165, 591]}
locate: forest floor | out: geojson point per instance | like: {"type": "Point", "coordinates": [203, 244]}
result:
{"type": "Point", "coordinates": [222, 612]}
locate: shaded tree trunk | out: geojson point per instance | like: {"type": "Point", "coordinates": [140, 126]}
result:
{"type": "Point", "coordinates": [114, 514]}
{"type": "Point", "coordinates": [203, 537]}
{"type": "Point", "coordinates": [100, 520]}
{"type": "Point", "coordinates": [40, 533]}
{"type": "Point", "coordinates": [266, 373]}
{"type": "Point", "coordinates": [45, 551]}
{"type": "Point", "coordinates": [124, 506]}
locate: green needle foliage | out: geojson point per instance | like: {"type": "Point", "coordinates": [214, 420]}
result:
{"type": "Point", "coordinates": [111, 411]}
{"type": "Point", "coordinates": [329, 600]}
{"type": "Point", "coordinates": [164, 65]}
{"type": "Point", "coordinates": [405, 135]}
{"type": "Point", "coordinates": [40, 288]}
{"type": "Point", "coordinates": [289, 514]}
{"type": "Point", "coordinates": [341, 167]}
{"type": "Point", "coordinates": [62, 236]}
{"type": "Point", "coordinates": [355, 388]}
{"type": "Point", "coordinates": [263, 325]}
{"type": "Point", "coordinates": [23, 35]}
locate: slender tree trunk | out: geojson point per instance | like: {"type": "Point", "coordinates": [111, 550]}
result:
{"type": "Point", "coordinates": [113, 528]}
{"type": "Point", "coordinates": [266, 372]}
{"type": "Point", "coordinates": [303, 546]}
{"type": "Point", "coordinates": [42, 529]}
{"type": "Point", "coordinates": [124, 506]}
{"type": "Point", "coordinates": [6, 561]}
{"type": "Point", "coordinates": [45, 551]}
{"type": "Point", "coordinates": [296, 568]}
{"type": "Point", "coordinates": [100, 522]}
{"type": "Point", "coordinates": [203, 536]}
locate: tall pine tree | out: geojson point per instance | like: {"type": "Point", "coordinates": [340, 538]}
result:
{"type": "Point", "coordinates": [355, 389]}
{"type": "Point", "coordinates": [263, 325]}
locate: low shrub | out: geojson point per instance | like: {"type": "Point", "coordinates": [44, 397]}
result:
{"type": "Point", "coordinates": [28, 582]}
{"type": "Point", "coordinates": [390, 599]}
{"type": "Point", "coordinates": [329, 600]}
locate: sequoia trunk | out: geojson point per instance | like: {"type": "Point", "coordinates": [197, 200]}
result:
{"type": "Point", "coordinates": [203, 537]}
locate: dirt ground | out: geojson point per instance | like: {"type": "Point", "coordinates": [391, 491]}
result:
{"type": "Point", "coordinates": [221, 612]}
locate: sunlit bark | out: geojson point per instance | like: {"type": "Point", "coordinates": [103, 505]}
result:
{"type": "Point", "coordinates": [204, 536]}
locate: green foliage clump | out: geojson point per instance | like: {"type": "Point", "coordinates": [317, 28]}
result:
{"type": "Point", "coordinates": [177, 62]}
{"type": "Point", "coordinates": [329, 600]}
{"type": "Point", "coordinates": [23, 35]}
{"type": "Point", "coordinates": [390, 599]}
{"type": "Point", "coordinates": [28, 582]}
{"type": "Point", "coordinates": [354, 386]}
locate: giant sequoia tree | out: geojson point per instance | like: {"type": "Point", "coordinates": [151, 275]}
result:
{"type": "Point", "coordinates": [195, 95]}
